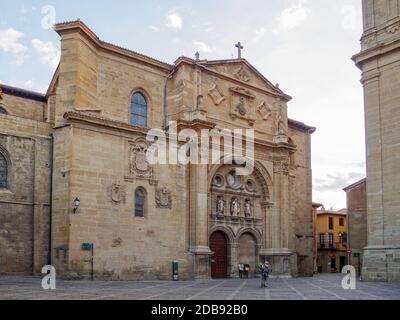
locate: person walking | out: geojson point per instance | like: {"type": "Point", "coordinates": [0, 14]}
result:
{"type": "Point", "coordinates": [265, 270]}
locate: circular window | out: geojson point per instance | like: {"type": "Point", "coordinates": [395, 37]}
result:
{"type": "Point", "coordinates": [218, 181]}
{"type": "Point", "coordinates": [250, 185]}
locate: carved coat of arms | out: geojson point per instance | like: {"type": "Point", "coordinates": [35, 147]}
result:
{"type": "Point", "coordinates": [139, 166]}
{"type": "Point", "coordinates": [118, 194]}
{"type": "Point", "coordinates": [163, 198]}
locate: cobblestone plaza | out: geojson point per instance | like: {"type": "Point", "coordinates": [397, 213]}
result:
{"type": "Point", "coordinates": [321, 287]}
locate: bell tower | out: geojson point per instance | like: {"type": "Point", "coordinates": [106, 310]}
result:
{"type": "Point", "coordinates": [379, 61]}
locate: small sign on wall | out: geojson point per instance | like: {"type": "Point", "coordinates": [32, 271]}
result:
{"type": "Point", "coordinates": [87, 246]}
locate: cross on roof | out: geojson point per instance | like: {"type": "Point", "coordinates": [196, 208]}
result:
{"type": "Point", "coordinates": [240, 47]}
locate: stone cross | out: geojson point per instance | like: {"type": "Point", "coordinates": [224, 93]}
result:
{"type": "Point", "coordinates": [240, 47]}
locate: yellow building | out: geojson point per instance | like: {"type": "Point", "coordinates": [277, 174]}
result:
{"type": "Point", "coordinates": [331, 240]}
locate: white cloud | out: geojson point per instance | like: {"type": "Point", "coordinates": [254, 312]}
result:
{"type": "Point", "coordinates": [201, 46]}
{"type": "Point", "coordinates": [259, 33]}
{"type": "Point", "coordinates": [9, 42]}
{"type": "Point", "coordinates": [173, 20]}
{"type": "Point", "coordinates": [153, 28]}
{"type": "Point", "coordinates": [292, 17]}
{"type": "Point", "coordinates": [49, 53]}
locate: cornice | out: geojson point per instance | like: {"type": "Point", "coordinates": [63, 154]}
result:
{"type": "Point", "coordinates": [82, 28]}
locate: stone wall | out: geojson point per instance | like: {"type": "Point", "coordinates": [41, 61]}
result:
{"type": "Point", "coordinates": [357, 223]}
{"type": "Point", "coordinates": [23, 108]}
{"type": "Point", "coordinates": [125, 246]}
{"type": "Point", "coordinates": [301, 201]}
{"type": "Point", "coordinates": [25, 204]}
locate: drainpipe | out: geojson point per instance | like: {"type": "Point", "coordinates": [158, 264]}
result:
{"type": "Point", "coordinates": [169, 76]}
{"type": "Point", "coordinates": [51, 196]}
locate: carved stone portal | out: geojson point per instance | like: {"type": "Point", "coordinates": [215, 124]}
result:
{"type": "Point", "coordinates": [163, 198]}
{"type": "Point", "coordinates": [118, 193]}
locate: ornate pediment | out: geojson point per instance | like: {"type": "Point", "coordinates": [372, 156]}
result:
{"type": "Point", "coordinates": [244, 72]}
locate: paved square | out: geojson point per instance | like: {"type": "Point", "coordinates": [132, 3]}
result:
{"type": "Point", "coordinates": [320, 287]}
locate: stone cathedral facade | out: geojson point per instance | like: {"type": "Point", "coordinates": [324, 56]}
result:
{"type": "Point", "coordinates": [74, 170]}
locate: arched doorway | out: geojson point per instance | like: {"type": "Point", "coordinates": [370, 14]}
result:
{"type": "Point", "coordinates": [247, 251]}
{"type": "Point", "coordinates": [219, 245]}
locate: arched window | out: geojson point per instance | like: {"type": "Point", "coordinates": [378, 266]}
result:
{"type": "Point", "coordinates": [140, 202]}
{"type": "Point", "coordinates": [3, 171]}
{"type": "Point", "coordinates": [139, 110]}
{"type": "Point", "coordinates": [3, 110]}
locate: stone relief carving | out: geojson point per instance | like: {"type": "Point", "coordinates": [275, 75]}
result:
{"type": "Point", "coordinates": [393, 28]}
{"type": "Point", "coordinates": [240, 107]}
{"type": "Point", "coordinates": [281, 167]}
{"type": "Point", "coordinates": [216, 94]}
{"type": "Point", "coordinates": [138, 164]}
{"type": "Point", "coordinates": [163, 198]}
{"type": "Point", "coordinates": [265, 110]}
{"type": "Point", "coordinates": [118, 193]}
{"type": "Point", "coordinates": [242, 104]}
{"type": "Point", "coordinates": [117, 242]}
{"type": "Point", "coordinates": [242, 75]}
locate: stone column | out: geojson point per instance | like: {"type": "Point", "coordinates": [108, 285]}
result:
{"type": "Point", "coordinates": [199, 220]}
{"type": "Point", "coordinates": [234, 256]}
{"type": "Point", "coordinates": [279, 254]}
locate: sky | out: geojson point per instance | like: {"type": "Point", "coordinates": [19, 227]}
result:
{"type": "Point", "coordinates": [304, 45]}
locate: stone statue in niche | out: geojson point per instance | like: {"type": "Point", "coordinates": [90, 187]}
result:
{"type": "Point", "coordinates": [118, 194]}
{"type": "Point", "coordinates": [235, 207]}
{"type": "Point", "coordinates": [200, 105]}
{"type": "Point", "coordinates": [139, 166]}
{"type": "Point", "coordinates": [163, 198]}
{"type": "Point", "coordinates": [281, 125]}
{"type": "Point", "coordinates": [247, 209]}
{"type": "Point", "coordinates": [220, 206]}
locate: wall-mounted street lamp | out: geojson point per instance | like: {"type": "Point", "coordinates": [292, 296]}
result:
{"type": "Point", "coordinates": [77, 203]}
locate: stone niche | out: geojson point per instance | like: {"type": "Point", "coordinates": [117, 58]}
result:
{"type": "Point", "coordinates": [237, 201]}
